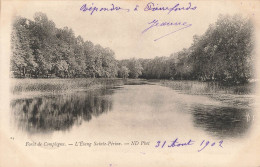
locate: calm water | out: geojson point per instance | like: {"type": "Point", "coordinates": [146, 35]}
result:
{"type": "Point", "coordinates": [148, 110]}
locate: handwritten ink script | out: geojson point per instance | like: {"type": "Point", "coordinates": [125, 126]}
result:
{"type": "Point", "coordinates": [178, 143]}
{"type": "Point", "coordinates": [156, 23]}
{"type": "Point", "coordinates": [176, 7]}
{"type": "Point", "coordinates": [91, 8]}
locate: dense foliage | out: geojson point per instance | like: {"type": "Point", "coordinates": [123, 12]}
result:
{"type": "Point", "coordinates": [42, 50]}
{"type": "Point", "coordinates": [223, 53]}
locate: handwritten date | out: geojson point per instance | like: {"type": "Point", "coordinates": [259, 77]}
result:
{"type": "Point", "coordinates": [177, 143]}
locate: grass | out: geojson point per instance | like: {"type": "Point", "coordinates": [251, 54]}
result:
{"type": "Point", "coordinates": [242, 95]}
{"type": "Point", "coordinates": [236, 95]}
{"type": "Point", "coordinates": [57, 85]}
{"type": "Point", "coordinates": [196, 87]}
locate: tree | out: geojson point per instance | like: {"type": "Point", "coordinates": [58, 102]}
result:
{"type": "Point", "coordinates": [135, 68]}
{"type": "Point", "coordinates": [123, 72]}
{"type": "Point", "coordinates": [39, 49]}
{"type": "Point", "coordinates": [223, 53]}
{"type": "Point", "coordinates": [22, 60]}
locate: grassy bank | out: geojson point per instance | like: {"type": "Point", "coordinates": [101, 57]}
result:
{"type": "Point", "coordinates": [242, 95]}
{"type": "Point", "coordinates": [57, 85]}
{"type": "Point", "coordinates": [196, 87]}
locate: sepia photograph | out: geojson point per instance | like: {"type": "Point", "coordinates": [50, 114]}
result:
{"type": "Point", "coordinates": [130, 83]}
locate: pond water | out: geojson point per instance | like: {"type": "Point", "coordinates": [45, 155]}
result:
{"type": "Point", "coordinates": [149, 112]}
{"type": "Point", "coordinates": [148, 107]}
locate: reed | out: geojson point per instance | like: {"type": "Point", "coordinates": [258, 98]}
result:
{"type": "Point", "coordinates": [56, 84]}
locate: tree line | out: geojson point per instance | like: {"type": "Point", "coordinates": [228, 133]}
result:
{"type": "Point", "coordinates": [223, 53]}
{"type": "Point", "coordinates": [39, 49]}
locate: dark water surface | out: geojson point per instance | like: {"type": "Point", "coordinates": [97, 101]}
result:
{"type": "Point", "coordinates": [134, 109]}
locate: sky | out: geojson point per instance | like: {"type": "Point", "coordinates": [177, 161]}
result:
{"type": "Point", "coordinates": [122, 31]}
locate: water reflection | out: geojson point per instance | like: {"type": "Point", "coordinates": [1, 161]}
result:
{"type": "Point", "coordinates": [222, 121]}
{"type": "Point", "coordinates": [146, 106]}
{"type": "Point", "coordinates": [47, 114]}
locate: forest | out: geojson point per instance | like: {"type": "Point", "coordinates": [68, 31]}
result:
{"type": "Point", "coordinates": [224, 53]}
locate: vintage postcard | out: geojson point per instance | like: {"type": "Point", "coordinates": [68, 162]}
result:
{"type": "Point", "coordinates": [130, 83]}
